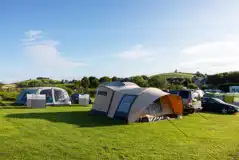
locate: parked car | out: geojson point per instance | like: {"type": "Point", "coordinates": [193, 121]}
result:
{"type": "Point", "coordinates": [218, 106]}
{"type": "Point", "coordinates": [213, 90]}
{"type": "Point", "coordinates": [75, 99]}
{"type": "Point", "coordinates": [190, 103]}
{"type": "Point", "coordinates": [165, 90]}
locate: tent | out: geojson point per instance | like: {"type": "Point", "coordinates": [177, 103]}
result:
{"type": "Point", "coordinates": [54, 95]}
{"type": "Point", "coordinates": [129, 102]}
{"type": "Point", "coordinates": [197, 95]}
{"type": "Point", "coordinates": [200, 92]}
{"type": "Point", "coordinates": [232, 98]}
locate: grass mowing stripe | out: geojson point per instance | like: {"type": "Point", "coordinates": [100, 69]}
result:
{"type": "Point", "coordinates": [69, 133]}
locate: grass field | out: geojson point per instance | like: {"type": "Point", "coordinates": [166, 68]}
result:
{"type": "Point", "coordinates": [69, 133]}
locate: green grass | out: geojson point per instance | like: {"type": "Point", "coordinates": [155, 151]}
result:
{"type": "Point", "coordinates": [69, 133]}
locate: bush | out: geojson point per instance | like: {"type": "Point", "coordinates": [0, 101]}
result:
{"type": "Point", "coordinates": [176, 87]}
{"type": "Point", "coordinates": [192, 86]}
{"type": "Point", "coordinates": [226, 87]}
{"type": "Point", "coordinates": [69, 90]}
{"type": "Point", "coordinates": [8, 96]}
{"type": "Point", "coordinates": [2, 104]}
{"type": "Point", "coordinates": [92, 93]}
{"type": "Point", "coordinates": [157, 82]}
{"type": "Point", "coordinates": [222, 78]}
{"type": "Point", "coordinates": [205, 87]}
{"type": "Point", "coordinates": [140, 81]}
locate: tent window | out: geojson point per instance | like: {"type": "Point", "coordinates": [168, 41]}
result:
{"type": "Point", "coordinates": [102, 93]}
{"type": "Point", "coordinates": [59, 95]}
{"type": "Point", "coordinates": [154, 108]}
{"type": "Point", "coordinates": [24, 93]}
{"type": "Point", "coordinates": [184, 94]}
{"type": "Point", "coordinates": [48, 93]}
{"type": "Point", "coordinates": [173, 92]}
{"type": "Point", "coordinates": [124, 107]}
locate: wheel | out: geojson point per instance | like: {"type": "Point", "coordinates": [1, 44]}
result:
{"type": "Point", "coordinates": [224, 111]}
{"type": "Point", "coordinates": [192, 111]}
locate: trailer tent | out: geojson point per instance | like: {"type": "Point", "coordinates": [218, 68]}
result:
{"type": "Point", "coordinates": [54, 95]}
{"type": "Point", "coordinates": [129, 102]}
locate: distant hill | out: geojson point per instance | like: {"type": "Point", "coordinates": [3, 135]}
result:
{"type": "Point", "coordinates": [37, 83]}
{"type": "Point", "coordinates": [175, 75]}
{"type": "Point", "coordinates": [8, 87]}
{"type": "Point", "coordinates": [46, 81]}
{"type": "Point", "coordinates": [163, 80]}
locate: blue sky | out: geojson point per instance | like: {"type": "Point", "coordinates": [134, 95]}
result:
{"type": "Point", "coordinates": [71, 39]}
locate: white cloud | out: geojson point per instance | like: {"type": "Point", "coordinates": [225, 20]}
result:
{"type": "Point", "coordinates": [211, 57]}
{"type": "Point", "coordinates": [137, 52]}
{"type": "Point", "coordinates": [43, 53]}
{"type": "Point", "coordinates": [33, 35]}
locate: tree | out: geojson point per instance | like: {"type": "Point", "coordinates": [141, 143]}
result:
{"type": "Point", "coordinates": [94, 82]}
{"type": "Point", "coordinates": [145, 77]}
{"type": "Point", "coordinates": [192, 86]}
{"type": "Point", "coordinates": [204, 87]}
{"type": "Point", "coordinates": [66, 81]}
{"type": "Point", "coordinates": [187, 82]}
{"type": "Point", "coordinates": [91, 78]}
{"type": "Point", "coordinates": [42, 78]}
{"type": "Point", "coordinates": [176, 87]}
{"type": "Point", "coordinates": [198, 74]}
{"type": "Point", "coordinates": [158, 82]}
{"type": "Point", "coordinates": [105, 79]}
{"type": "Point", "coordinates": [139, 81]}
{"type": "Point", "coordinates": [177, 80]}
{"type": "Point", "coordinates": [73, 81]}
{"type": "Point", "coordinates": [217, 79]}
{"type": "Point", "coordinates": [85, 82]}
{"type": "Point", "coordinates": [125, 80]}
{"type": "Point", "coordinates": [1, 84]}
{"type": "Point", "coordinates": [34, 83]}
{"type": "Point", "coordinates": [115, 78]}
{"type": "Point", "coordinates": [78, 85]}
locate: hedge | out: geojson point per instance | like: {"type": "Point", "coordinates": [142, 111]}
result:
{"type": "Point", "coordinates": [226, 87]}
{"type": "Point", "coordinates": [8, 96]}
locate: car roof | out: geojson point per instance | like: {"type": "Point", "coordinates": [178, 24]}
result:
{"type": "Point", "coordinates": [181, 90]}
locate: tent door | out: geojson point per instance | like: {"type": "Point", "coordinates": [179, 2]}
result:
{"type": "Point", "coordinates": [59, 96]}
{"type": "Point", "coordinates": [49, 97]}
{"type": "Point", "coordinates": [124, 106]}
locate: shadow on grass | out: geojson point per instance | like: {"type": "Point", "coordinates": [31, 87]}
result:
{"type": "Point", "coordinates": [219, 113]}
{"type": "Point", "coordinates": [79, 118]}
{"type": "Point", "coordinates": [13, 107]}
{"type": "Point", "coordinates": [19, 106]}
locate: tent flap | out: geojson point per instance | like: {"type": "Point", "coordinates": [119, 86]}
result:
{"type": "Point", "coordinates": [175, 102]}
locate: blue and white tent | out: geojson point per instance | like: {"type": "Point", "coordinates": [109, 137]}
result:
{"type": "Point", "coordinates": [54, 95]}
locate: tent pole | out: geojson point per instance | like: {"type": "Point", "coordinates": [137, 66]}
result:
{"type": "Point", "coordinates": [203, 116]}
{"type": "Point", "coordinates": [178, 128]}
